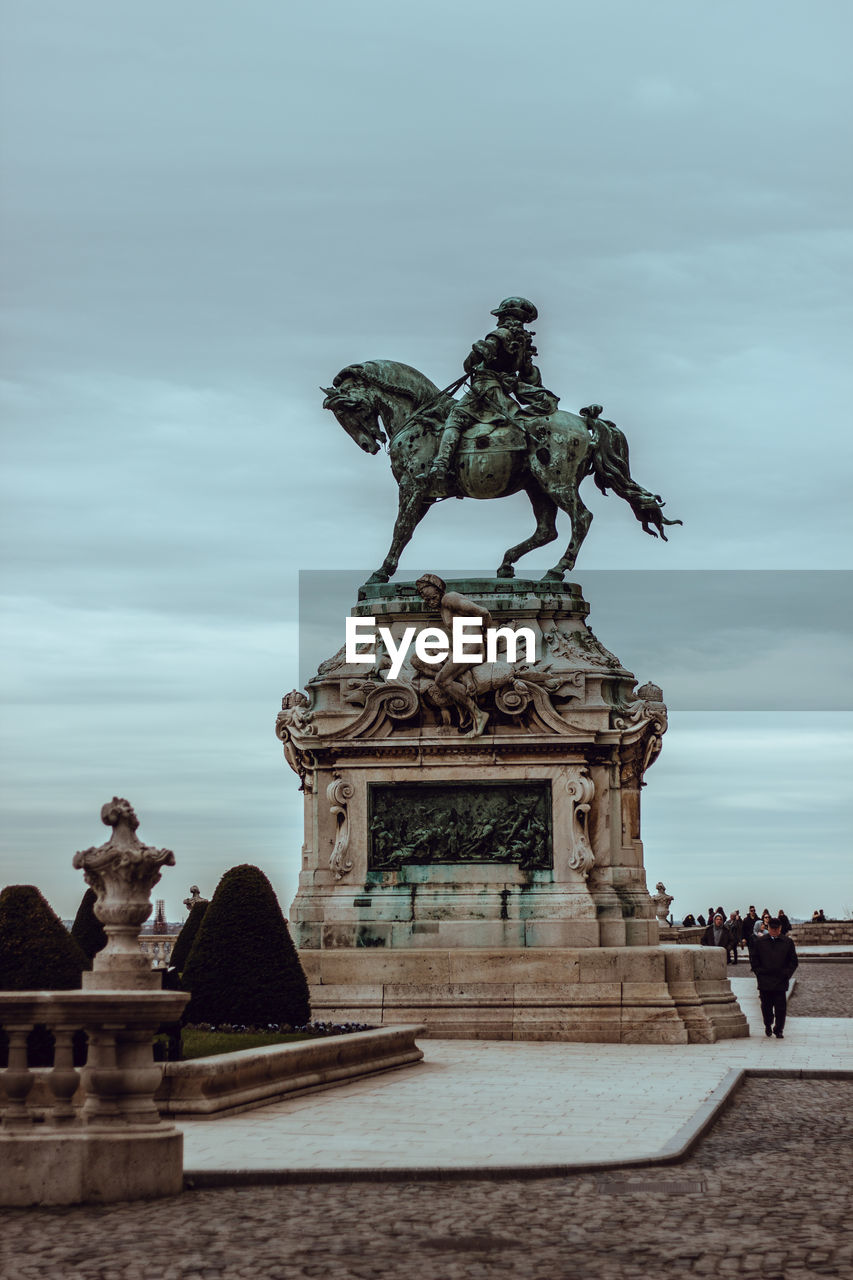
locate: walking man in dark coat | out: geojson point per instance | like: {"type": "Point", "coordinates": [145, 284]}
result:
{"type": "Point", "coordinates": [773, 959]}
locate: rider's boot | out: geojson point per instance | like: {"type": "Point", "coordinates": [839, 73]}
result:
{"type": "Point", "coordinates": [441, 462]}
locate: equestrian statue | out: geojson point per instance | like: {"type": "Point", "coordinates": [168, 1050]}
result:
{"type": "Point", "coordinates": [504, 435]}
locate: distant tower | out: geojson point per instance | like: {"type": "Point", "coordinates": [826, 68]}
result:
{"type": "Point", "coordinates": [160, 917]}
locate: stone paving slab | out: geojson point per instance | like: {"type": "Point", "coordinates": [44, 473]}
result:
{"type": "Point", "coordinates": [488, 1105]}
{"type": "Point", "coordinates": [764, 1196]}
{"type": "Point", "coordinates": [825, 949]}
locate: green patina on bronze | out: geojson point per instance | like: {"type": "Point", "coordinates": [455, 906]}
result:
{"type": "Point", "coordinates": [505, 435]}
{"type": "Point", "coordinates": [459, 822]}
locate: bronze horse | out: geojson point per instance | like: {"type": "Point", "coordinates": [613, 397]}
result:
{"type": "Point", "coordinates": [381, 401]}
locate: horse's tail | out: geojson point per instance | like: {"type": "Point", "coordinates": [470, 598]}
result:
{"type": "Point", "coordinates": [612, 470]}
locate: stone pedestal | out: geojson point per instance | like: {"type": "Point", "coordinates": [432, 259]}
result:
{"type": "Point", "coordinates": [114, 1147]}
{"type": "Point", "coordinates": [489, 885]}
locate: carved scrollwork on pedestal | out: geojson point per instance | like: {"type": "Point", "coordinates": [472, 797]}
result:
{"type": "Point", "coordinates": [630, 773]}
{"type": "Point", "coordinates": [355, 692]}
{"type": "Point", "coordinates": [392, 698]}
{"type": "Point", "coordinates": [294, 722]}
{"type": "Point", "coordinates": [401, 701]}
{"type": "Point", "coordinates": [580, 789]}
{"type": "Point", "coordinates": [339, 793]}
{"type": "Point", "coordinates": [334, 663]}
{"type": "Point", "coordinates": [580, 647]}
{"type": "Point", "coordinates": [513, 699]}
{"type": "Point", "coordinates": [647, 712]}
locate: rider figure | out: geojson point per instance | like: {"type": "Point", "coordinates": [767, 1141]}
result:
{"type": "Point", "coordinates": [504, 381]}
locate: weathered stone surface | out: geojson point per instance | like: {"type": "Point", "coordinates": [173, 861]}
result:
{"type": "Point", "coordinates": [387, 770]}
{"type": "Point", "coordinates": [229, 1082]}
{"type": "Point", "coordinates": [234, 1082]}
{"type": "Point", "coordinates": [123, 871]}
{"type": "Point", "coordinates": [829, 934]}
{"type": "Point", "coordinates": [90, 1167]}
{"type": "Point", "coordinates": [529, 994]}
{"type": "Point", "coordinates": [93, 1134]}
{"type": "Point", "coordinates": [491, 809]}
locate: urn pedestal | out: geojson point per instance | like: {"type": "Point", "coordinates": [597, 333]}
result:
{"type": "Point", "coordinates": [489, 885]}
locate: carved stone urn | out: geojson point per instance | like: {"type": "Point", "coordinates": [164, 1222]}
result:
{"type": "Point", "coordinates": [661, 901]}
{"type": "Point", "coordinates": [122, 873]}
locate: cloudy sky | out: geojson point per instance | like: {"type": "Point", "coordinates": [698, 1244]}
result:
{"type": "Point", "coordinates": [208, 209]}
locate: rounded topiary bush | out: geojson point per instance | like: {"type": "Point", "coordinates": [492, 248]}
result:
{"type": "Point", "coordinates": [243, 967]}
{"type": "Point", "coordinates": [185, 939]}
{"type": "Point", "coordinates": [87, 930]}
{"type": "Point", "coordinates": [37, 953]}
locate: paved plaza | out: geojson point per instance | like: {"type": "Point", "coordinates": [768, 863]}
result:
{"type": "Point", "coordinates": [764, 1195]}
{"type": "Point", "coordinates": [485, 1105]}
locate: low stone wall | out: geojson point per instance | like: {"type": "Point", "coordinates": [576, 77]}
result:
{"type": "Point", "coordinates": [675, 933]}
{"type": "Point", "coordinates": [816, 935]}
{"type": "Point", "coordinates": [229, 1082]}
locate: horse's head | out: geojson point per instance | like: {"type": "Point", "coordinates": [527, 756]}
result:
{"type": "Point", "coordinates": [358, 413]}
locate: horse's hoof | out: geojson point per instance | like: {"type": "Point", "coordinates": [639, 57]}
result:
{"type": "Point", "coordinates": [505, 571]}
{"type": "Point", "coordinates": [553, 575]}
{"type": "Point", "coordinates": [378, 576]}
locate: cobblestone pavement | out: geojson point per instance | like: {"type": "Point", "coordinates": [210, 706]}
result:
{"type": "Point", "coordinates": [823, 990]}
{"type": "Point", "coordinates": [765, 1196]}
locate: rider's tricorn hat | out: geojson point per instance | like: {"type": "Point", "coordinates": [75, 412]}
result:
{"type": "Point", "coordinates": [525, 310]}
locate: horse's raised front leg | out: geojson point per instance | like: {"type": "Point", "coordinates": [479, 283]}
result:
{"type": "Point", "coordinates": [412, 509]}
{"type": "Point", "coordinates": [545, 511]}
{"type": "Point", "coordinates": [568, 500]}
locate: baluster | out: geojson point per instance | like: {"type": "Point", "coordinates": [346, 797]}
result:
{"type": "Point", "coordinates": [140, 1076]}
{"type": "Point", "coordinates": [18, 1080]}
{"type": "Point", "coordinates": [64, 1078]}
{"type": "Point", "coordinates": [102, 1078]}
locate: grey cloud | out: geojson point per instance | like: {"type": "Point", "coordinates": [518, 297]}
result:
{"type": "Point", "coordinates": [208, 211]}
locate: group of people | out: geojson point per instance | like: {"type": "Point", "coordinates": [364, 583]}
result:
{"type": "Point", "coordinates": [737, 931]}
{"type": "Point", "coordinates": [772, 955]}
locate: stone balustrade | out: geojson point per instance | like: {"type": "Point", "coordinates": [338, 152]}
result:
{"type": "Point", "coordinates": [157, 947]}
{"type": "Point", "coordinates": [114, 1147]}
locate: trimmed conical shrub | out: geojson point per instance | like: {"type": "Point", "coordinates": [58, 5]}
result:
{"type": "Point", "coordinates": [185, 939]}
{"type": "Point", "coordinates": [243, 967]}
{"type": "Point", "coordinates": [37, 953]}
{"type": "Point", "coordinates": [87, 930]}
